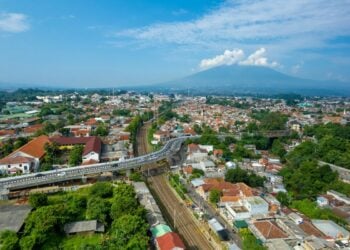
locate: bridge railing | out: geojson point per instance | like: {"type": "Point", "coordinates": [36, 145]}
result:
{"type": "Point", "coordinates": [72, 172]}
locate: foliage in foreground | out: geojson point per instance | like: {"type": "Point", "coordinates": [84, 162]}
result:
{"type": "Point", "coordinates": [116, 207]}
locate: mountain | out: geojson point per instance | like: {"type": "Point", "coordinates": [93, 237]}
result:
{"type": "Point", "coordinates": [251, 80]}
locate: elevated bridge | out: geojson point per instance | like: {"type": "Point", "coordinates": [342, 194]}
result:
{"type": "Point", "coordinates": [71, 173]}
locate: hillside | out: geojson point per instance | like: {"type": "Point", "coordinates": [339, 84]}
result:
{"type": "Point", "coordinates": [251, 79]}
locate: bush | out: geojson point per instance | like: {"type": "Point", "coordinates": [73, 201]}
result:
{"type": "Point", "coordinates": [102, 190]}
{"type": "Point", "coordinates": [37, 200]}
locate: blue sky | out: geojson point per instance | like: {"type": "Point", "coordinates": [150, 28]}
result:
{"type": "Point", "coordinates": [94, 43]}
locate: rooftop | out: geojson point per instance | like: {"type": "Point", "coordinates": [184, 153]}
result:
{"type": "Point", "coordinates": [12, 216]}
{"type": "Point", "coordinates": [331, 229]}
{"type": "Point", "coordinates": [35, 147]}
{"type": "Point", "coordinates": [170, 241]}
{"type": "Point", "coordinates": [84, 226]}
{"type": "Point", "coordinates": [269, 230]}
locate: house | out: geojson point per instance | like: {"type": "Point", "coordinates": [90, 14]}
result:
{"type": "Point", "coordinates": [32, 129]}
{"type": "Point", "coordinates": [92, 146]}
{"type": "Point", "coordinates": [243, 208]}
{"type": "Point", "coordinates": [218, 153]}
{"type": "Point", "coordinates": [339, 196]}
{"type": "Point", "coordinates": [256, 205]}
{"type": "Point", "coordinates": [27, 158]}
{"type": "Point", "coordinates": [161, 136]}
{"type": "Point", "coordinates": [154, 215]}
{"type": "Point", "coordinates": [92, 149]}
{"type": "Point", "coordinates": [169, 241]}
{"type": "Point", "coordinates": [215, 225]}
{"type": "Point", "coordinates": [322, 201]}
{"type": "Point", "coordinates": [266, 230]}
{"type": "Point", "coordinates": [159, 230]}
{"type": "Point", "coordinates": [12, 217]}
{"type": "Point", "coordinates": [333, 231]}
{"type": "Point", "coordinates": [84, 227]}
{"type": "Point", "coordinates": [314, 243]}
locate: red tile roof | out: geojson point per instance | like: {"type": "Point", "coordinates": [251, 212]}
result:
{"type": "Point", "coordinates": [35, 147]}
{"type": "Point", "coordinates": [270, 230]}
{"type": "Point", "coordinates": [15, 160]}
{"type": "Point", "coordinates": [92, 143]}
{"type": "Point", "coordinates": [170, 241]}
{"type": "Point", "coordinates": [7, 132]}
{"type": "Point", "coordinates": [227, 188]}
{"type": "Point", "coordinates": [69, 140]}
{"type": "Point", "coordinates": [310, 229]}
{"type": "Point", "coordinates": [33, 128]}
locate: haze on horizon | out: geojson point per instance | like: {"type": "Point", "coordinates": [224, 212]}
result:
{"type": "Point", "coordinates": [93, 43]}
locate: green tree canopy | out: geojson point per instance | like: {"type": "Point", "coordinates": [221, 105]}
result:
{"type": "Point", "coordinates": [214, 196]}
{"type": "Point", "coordinates": [37, 200]}
{"type": "Point", "coordinates": [9, 240]}
{"type": "Point", "coordinates": [75, 155]}
{"type": "Point", "coordinates": [102, 190]}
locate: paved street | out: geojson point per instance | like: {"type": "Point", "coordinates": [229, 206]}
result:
{"type": "Point", "coordinates": [201, 203]}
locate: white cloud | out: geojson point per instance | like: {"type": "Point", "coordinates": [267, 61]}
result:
{"type": "Point", "coordinates": [13, 22]}
{"type": "Point", "coordinates": [237, 56]}
{"type": "Point", "coordinates": [227, 58]}
{"type": "Point", "coordinates": [258, 58]}
{"type": "Point", "coordinates": [298, 24]}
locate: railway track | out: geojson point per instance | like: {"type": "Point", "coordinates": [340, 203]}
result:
{"type": "Point", "coordinates": [181, 218]}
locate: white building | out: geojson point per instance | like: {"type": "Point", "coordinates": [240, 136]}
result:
{"type": "Point", "coordinates": [247, 207]}
{"type": "Point", "coordinates": [26, 159]}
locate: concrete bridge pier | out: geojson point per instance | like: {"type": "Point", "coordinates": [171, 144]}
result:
{"type": "Point", "coordinates": [128, 172]}
{"type": "Point", "coordinates": [83, 179]}
{"type": "Point", "coordinates": [4, 194]}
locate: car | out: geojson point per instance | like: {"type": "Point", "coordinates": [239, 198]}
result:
{"type": "Point", "coordinates": [39, 175]}
{"type": "Point", "coordinates": [61, 174]}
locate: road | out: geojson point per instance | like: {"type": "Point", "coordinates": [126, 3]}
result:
{"type": "Point", "coordinates": [71, 173]}
{"type": "Point", "coordinates": [201, 203]}
{"type": "Point", "coordinates": [177, 212]}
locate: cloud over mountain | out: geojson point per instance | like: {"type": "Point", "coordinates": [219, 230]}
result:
{"type": "Point", "coordinates": [237, 56]}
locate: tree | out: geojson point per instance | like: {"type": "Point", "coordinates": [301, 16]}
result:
{"type": "Point", "coordinates": [98, 209]}
{"type": "Point", "coordinates": [40, 225]}
{"type": "Point", "coordinates": [214, 196]}
{"type": "Point", "coordinates": [197, 129]}
{"type": "Point", "coordinates": [249, 241]}
{"type": "Point", "coordinates": [37, 200]}
{"type": "Point", "coordinates": [102, 190]}
{"type": "Point", "coordinates": [196, 173]}
{"type": "Point", "coordinates": [128, 230]}
{"type": "Point", "coordinates": [45, 111]}
{"type": "Point", "coordinates": [75, 155]}
{"type": "Point", "coordinates": [20, 141]}
{"type": "Point", "coordinates": [101, 130]}
{"type": "Point", "coordinates": [121, 112]}
{"type": "Point", "coordinates": [284, 198]}
{"type": "Point", "coordinates": [135, 176]}
{"type": "Point", "coordinates": [185, 118]}
{"type": "Point", "coordinates": [9, 240]}
{"type": "Point", "coordinates": [49, 127]}
{"type": "Point", "coordinates": [278, 149]}
{"type": "Point", "coordinates": [241, 175]}
{"type": "Point", "coordinates": [122, 205]}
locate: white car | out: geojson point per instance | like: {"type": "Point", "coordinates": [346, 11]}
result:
{"type": "Point", "coordinates": [61, 174]}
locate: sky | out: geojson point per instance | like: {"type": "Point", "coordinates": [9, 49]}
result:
{"type": "Point", "coordinates": [94, 43]}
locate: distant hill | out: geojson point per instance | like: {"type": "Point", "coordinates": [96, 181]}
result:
{"type": "Point", "coordinates": [251, 79]}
